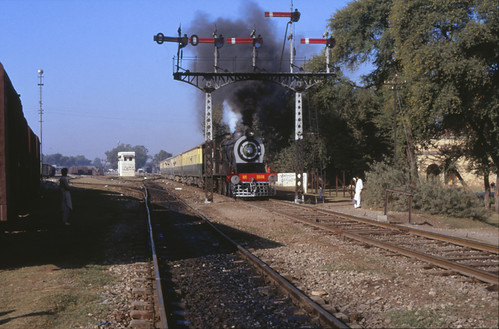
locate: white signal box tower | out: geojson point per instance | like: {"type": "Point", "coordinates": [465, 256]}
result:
{"type": "Point", "coordinates": [126, 163]}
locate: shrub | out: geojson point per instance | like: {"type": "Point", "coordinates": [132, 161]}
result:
{"type": "Point", "coordinates": [381, 176]}
{"type": "Point", "coordinates": [428, 197]}
{"type": "Point", "coordinates": [447, 200]}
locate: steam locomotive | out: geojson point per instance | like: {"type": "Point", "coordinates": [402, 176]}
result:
{"type": "Point", "coordinates": [237, 166]}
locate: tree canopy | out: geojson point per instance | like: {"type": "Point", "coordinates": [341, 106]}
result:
{"type": "Point", "coordinates": [162, 155]}
{"type": "Point", "coordinates": [449, 51]}
{"type": "Point", "coordinates": [58, 159]}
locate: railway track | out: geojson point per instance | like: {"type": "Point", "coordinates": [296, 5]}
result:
{"type": "Point", "coordinates": [209, 280]}
{"type": "Point", "coordinates": [469, 258]}
{"type": "Point", "coordinates": [131, 187]}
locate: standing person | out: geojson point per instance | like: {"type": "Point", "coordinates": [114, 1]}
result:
{"type": "Point", "coordinates": [66, 204]}
{"type": "Point", "coordinates": [358, 191]}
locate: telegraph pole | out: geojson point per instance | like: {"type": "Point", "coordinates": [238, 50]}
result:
{"type": "Point", "coordinates": [40, 75]}
{"type": "Point", "coordinates": [394, 84]}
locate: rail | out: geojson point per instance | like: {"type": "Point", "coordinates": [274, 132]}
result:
{"type": "Point", "coordinates": [326, 319]}
{"type": "Point", "coordinates": [157, 276]}
{"type": "Point", "coordinates": [466, 270]}
{"type": "Point", "coordinates": [400, 192]}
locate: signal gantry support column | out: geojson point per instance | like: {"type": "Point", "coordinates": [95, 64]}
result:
{"type": "Point", "coordinates": [208, 151]}
{"type": "Point", "coordinates": [299, 190]}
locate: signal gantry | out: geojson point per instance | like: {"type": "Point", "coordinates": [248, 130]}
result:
{"type": "Point", "coordinates": [208, 82]}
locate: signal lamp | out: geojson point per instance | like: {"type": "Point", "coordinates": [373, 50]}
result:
{"type": "Point", "coordinates": [219, 41]}
{"type": "Point", "coordinates": [184, 41]}
{"type": "Point", "coordinates": [257, 42]}
{"type": "Point", "coordinates": [331, 42]}
{"type": "Point", "coordinates": [295, 16]}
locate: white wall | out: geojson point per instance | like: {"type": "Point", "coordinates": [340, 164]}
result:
{"type": "Point", "coordinates": [289, 180]}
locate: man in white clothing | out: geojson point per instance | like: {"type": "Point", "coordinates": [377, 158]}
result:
{"type": "Point", "coordinates": [358, 191]}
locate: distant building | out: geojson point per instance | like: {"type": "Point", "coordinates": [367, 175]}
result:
{"type": "Point", "coordinates": [126, 163]}
{"type": "Point", "coordinates": [435, 164]}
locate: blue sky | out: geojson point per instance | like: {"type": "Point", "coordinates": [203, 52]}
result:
{"type": "Point", "coordinates": [106, 82]}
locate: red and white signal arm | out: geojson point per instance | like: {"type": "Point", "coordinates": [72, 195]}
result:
{"type": "Point", "coordinates": [235, 41]}
{"type": "Point", "coordinates": [257, 42]}
{"type": "Point", "coordinates": [295, 16]}
{"type": "Point", "coordinates": [277, 14]}
{"type": "Point", "coordinates": [312, 41]}
{"type": "Point", "coordinates": [330, 42]}
{"type": "Point", "coordinates": [195, 40]}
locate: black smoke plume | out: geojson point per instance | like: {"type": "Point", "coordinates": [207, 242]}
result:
{"type": "Point", "coordinates": [258, 100]}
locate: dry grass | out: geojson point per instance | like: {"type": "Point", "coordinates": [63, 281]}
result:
{"type": "Point", "coordinates": [48, 296]}
{"type": "Point", "coordinates": [491, 221]}
{"type": "Point", "coordinates": [52, 276]}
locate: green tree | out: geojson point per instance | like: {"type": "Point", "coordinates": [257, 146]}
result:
{"type": "Point", "coordinates": [362, 34]}
{"type": "Point", "coordinates": [53, 159]}
{"type": "Point", "coordinates": [141, 156]}
{"type": "Point", "coordinates": [449, 51]}
{"type": "Point", "coordinates": [112, 155]}
{"type": "Point", "coordinates": [160, 156]}
{"type": "Point", "coordinates": [157, 158]}
{"type": "Point", "coordinates": [98, 163]}
{"type": "Point", "coordinates": [66, 161]}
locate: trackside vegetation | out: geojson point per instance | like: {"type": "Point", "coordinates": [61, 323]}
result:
{"type": "Point", "coordinates": [428, 196]}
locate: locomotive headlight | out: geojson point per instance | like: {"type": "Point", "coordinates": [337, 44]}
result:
{"type": "Point", "coordinates": [249, 150]}
{"type": "Point", "coordinates": [272, 178]}
{"type": "Point", "coordinates": [235, 179]}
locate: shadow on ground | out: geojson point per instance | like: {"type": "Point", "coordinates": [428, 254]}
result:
{"type": "Point", "coordinates": [100, 221]}
{"type": "Point", "coordinates": [106, 228]}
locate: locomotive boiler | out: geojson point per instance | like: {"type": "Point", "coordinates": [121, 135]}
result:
{"type": "Point", "coordinates": [237, 166]}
